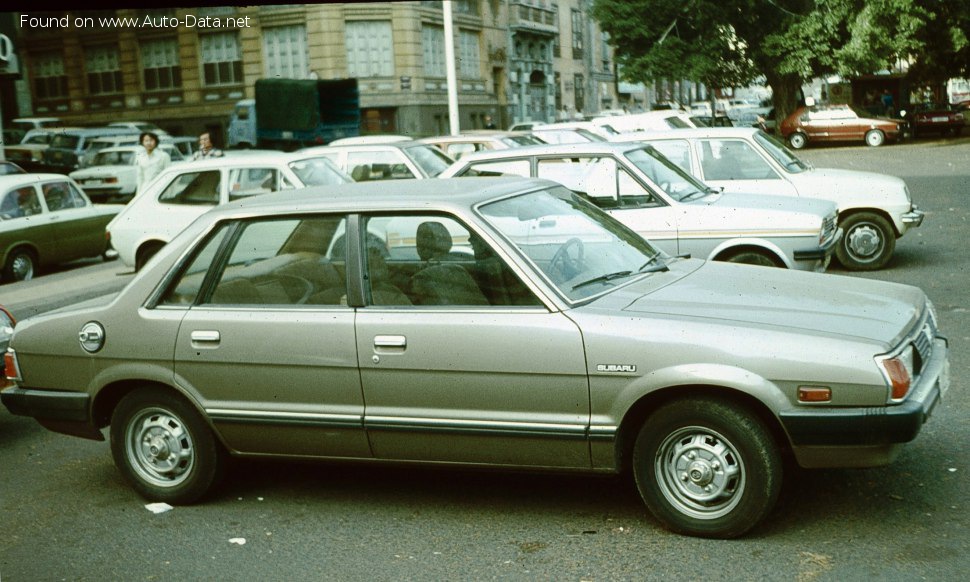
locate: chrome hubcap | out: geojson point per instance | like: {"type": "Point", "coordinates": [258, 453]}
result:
{"type": "Point", "coordinates": [700, 472]}
{"type": "Point", "coordinates": [160, 448]}
{"type": "Point", "coordinates": [865, 241]}
{"type": "Point", "coordinates": [23, 268]}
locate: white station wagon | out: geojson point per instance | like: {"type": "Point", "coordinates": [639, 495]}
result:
{"type": "Point", "coordinates": [675, 211]}
{"type": "Point", "coordinates": [186, 190]}
{"type": "Point", "coordinates": [874, 209]}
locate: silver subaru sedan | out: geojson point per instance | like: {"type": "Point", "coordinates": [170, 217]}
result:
{"type": "Point", "coordinates": [491, 322]}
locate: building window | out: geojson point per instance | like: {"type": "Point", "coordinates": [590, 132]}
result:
{"type": "Point", "coordinates": [370, 49]}
{"type": "Point", "coordinates": [221, 59]}
{"type": "Point", "coordinates": [285, 52]}
{"type": "Point", "coordinates": [579, 90]}
{"type": "Point", "coordinates": [605, 50]}
{"type": "Point", "coordinates": [160, 65]}
{"type": "Point", "coordinates": [103, 69]}
{"type": "Point", "coordinates": [469, 56]}
{"type": "Point", "coordinates": [50, 82]}
{"type": "Point", "coordinates": [578, 37]}
{"type": "Point", "coordinates": [433, 45]}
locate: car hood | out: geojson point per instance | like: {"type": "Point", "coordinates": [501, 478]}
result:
{"type": "Point", "coordinates": [823, 304]}
{"type": "Point", "coordinates": [100, 171]}
{"type": "Point", "coordinates": [847, 184]}
{"type": "Point", "coordinates": [771, 202]}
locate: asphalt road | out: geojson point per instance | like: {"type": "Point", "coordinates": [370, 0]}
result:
{"type": "Point", "coordinates": [66, 514]}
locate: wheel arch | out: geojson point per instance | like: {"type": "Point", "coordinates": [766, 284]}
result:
{"type": "Point", "coordinates": [20, 245]}
{"type": "Point", "coordinates": [730, 248]}
{"type": "Point", "coordinates": [848, 212]}
{"type": "Point", "coordinates": [637, 414]}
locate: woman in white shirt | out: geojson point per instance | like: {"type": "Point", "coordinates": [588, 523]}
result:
{"type": "Point", "coordinates": [151, 161]}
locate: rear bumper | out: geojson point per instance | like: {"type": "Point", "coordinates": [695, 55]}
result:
{"type": "Point", "coordinates": [64, 412]}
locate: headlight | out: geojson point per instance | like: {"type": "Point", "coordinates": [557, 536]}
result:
{"type": "Point", "coordinates": [898, 372]}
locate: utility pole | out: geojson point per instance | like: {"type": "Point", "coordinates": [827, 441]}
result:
{"type": "Point", "coordinates": [450, 69]}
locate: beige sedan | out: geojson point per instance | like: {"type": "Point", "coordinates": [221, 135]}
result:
{"type": "Point", "coordinates": [501, 323]}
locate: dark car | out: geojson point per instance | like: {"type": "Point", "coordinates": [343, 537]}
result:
{"type": "Point", "coordinates": [941, 118]}
{"type": "Point", "coordinates": [837, 123]}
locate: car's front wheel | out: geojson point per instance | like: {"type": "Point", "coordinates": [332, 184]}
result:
{"type": "Point", "coordinates": [754, 257]}
{"type": "Point", "coordinates": [164, 448]}
{"type": "Point", "coordinates": [797, 140]}
{"type": "Point", "coordinates": [21, 265]}
{"type": "Point", "coordinates": [875, 138]}
{"type": "Point", "coordinates": [868, 242]}
{"type": "Point", "coordinates": [707, 468]}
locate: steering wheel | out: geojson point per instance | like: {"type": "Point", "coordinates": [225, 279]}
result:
{"type": "Point", "coordinates": [564, 264]}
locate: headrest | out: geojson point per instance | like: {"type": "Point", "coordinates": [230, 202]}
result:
{"type": "Point", "coordinates": [433, 240]}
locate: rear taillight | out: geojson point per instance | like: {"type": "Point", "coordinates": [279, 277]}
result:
{"type": "Point", "coordinates": [10, 367]}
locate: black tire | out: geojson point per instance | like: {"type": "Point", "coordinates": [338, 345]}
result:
{"type": "Point", "coordinates": [754, 257]}
{"type": "Point", "coordinates": [164, 448]}
{"type": "Point", "coordinates": [21, 265]}
{"type": "Point", "coordinates": [797, 140]}
{"type": "Point", "coordinates": [707, 468]}
{"type": "Point", "coordinates": [875, 138]}
{"type": "Point", "coordinates": [145, 253]}
{"type": "Point", "coordinates": [868, 242]}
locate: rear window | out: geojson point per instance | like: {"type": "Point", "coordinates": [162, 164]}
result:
{"type": "Point", "coordinates": [64, 141]}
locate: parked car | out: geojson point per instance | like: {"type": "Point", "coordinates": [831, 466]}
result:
{"type": "Point", "coordinates": [139, 126]}
{"type": "Point", "coordinates": [657, 120]}
{"type": "Point", "coordinates": [762, 118]}
{"type": "Point", "coordinates": [492, 323]}
{"type": "Point", "coordinates": [7, 323]}
{"type": "Point", "coordinates": [525, 125]}
{"type": "Point", "coordinates": [556, 133]}
{"type": "Point", "coordinates": [184, 191]}
{"type": "Point", "coordinates": [29, 153]}
{"type": "Point", "coordinates": [67, 147]}
{"type": "Point", "coordinates": [874, 209]}
{"type": "Point", "coordinates": [941, 118]}
{"type": "Point", "coordinates": [15, 131]}
{"type": "Point", "coordinates": [603, 131]}
{"type": "Point", "coordinates": [45, 219]}
{"type": "Point", "coordinates": [385, 161]}
{"type": "Point", "coordinates": [112, 176]}
{"type": "Point", "coordinates": [7, 168]}
{"type": "Point", "coordinates": [837, 123]}
{"type": "Point", "coordinates": [455, 146]}
{"type": "Point", "coordinates": [675, 211]}
{"type": "Point", "coordinates": [718, 121]}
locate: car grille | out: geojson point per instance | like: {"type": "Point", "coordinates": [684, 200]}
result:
{"type": "Point", "coordinates": [829, 226]}
{"type": "Point", "coordinates": [923, 343]}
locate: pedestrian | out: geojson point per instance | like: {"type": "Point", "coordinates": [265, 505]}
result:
{"type": "Point", "coordinates": [206, 149]}
{"type": "Point", "coordinates": [151, 160]}
{"type": "Point", "coordinates": [887, 103]}
{"type": "Point", "coordinates": [489, 124]}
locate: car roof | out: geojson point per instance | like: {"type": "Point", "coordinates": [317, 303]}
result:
{"type": "Point", "coordinates": [566, 149]}
{"type": "Point", "coordinates": [405, 195]}
{"type": "Point", "coordinates": [364, 147]}
{"type": "Point", "coordinates": [15, 180]}
{"type": "Point", "coordinates": [686, 133]}
{"type": "Point", "coordinates": [101, 131]}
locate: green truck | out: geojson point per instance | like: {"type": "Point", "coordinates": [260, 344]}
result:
{"type": "Point", "coordinates": [295, 113]}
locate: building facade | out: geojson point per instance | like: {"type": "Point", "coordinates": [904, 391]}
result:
{"type": "Point", "coordinates": [184, 69]}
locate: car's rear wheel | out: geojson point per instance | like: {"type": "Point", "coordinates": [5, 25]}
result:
{"type": "Point", "coordinates": [164, 448]}
{"type": "Point", "coordinates": [21, 265]}
{"type": "Point", "coordinates": [868, 242]}
{"type": "Point", "coordinates": [707, 467]}
{"type": "Point", "coordinates": [875, 138]}
{"type": "Point", "coordinates": [797, 140]}
{"type": "Point", "coordinates": [754, 257]}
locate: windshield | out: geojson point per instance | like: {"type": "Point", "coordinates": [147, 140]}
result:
{"type": "Point", "coordinates": [65, 141]}
{"type": "Point", "coordinates": [575, 246]}
{"type": "Point", "coordinates": [38, 139]}
{"type": "Point", "coordinates": [125, 158]}
{"type": "Point", "coordinates": [430, 159]}
{"type": "Point", "coordinates": [669, 177]}
{"type": "Point", "coordinates": [781, 154]}
{"type": "Point", "coordinates": [319, 171]}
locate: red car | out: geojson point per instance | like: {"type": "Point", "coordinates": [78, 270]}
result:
{"type": "Point", "coordinates": [935, 117]}
{"type": "Point", "coordinates": [821, 123]}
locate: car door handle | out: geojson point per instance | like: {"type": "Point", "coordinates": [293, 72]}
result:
{"type": "Point", "coordinates": [205, 337]}
{"type": "Point", "coordinates": [390, 341]}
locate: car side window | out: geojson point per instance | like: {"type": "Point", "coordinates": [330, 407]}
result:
{"type": "Point", "coordinates": [19, 203]}
{"type": "Point", "coordinates": [377, 165]}
{"type": "Point", "coordinates": [193, 188]}
{"type": "Point", "coordinates": [284, 262]}
{"type": "Point", "coordinates": [244, 182]}
{"type": "Point", "coordinates": [732, 159]}
{"type": "Point", "coordinates": [62, 196]}
{"type": "Point", "coordinates": [435, 261]}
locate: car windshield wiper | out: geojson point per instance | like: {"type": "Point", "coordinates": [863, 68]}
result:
{"type": "Point", "coordinates": [647, 268]}
{"type": "Point", "coordinates": [696, 193]}
{"type": "Point", "coordinates": [603, 279]}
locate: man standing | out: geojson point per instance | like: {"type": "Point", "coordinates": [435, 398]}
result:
{"type": "Point", "coordinates": [489, 124]}
{"type": "Point", "coordinates": [206, 150]}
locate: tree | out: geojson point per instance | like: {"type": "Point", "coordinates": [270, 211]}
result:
{"type": "Point", "coordinates": [730, 42]}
